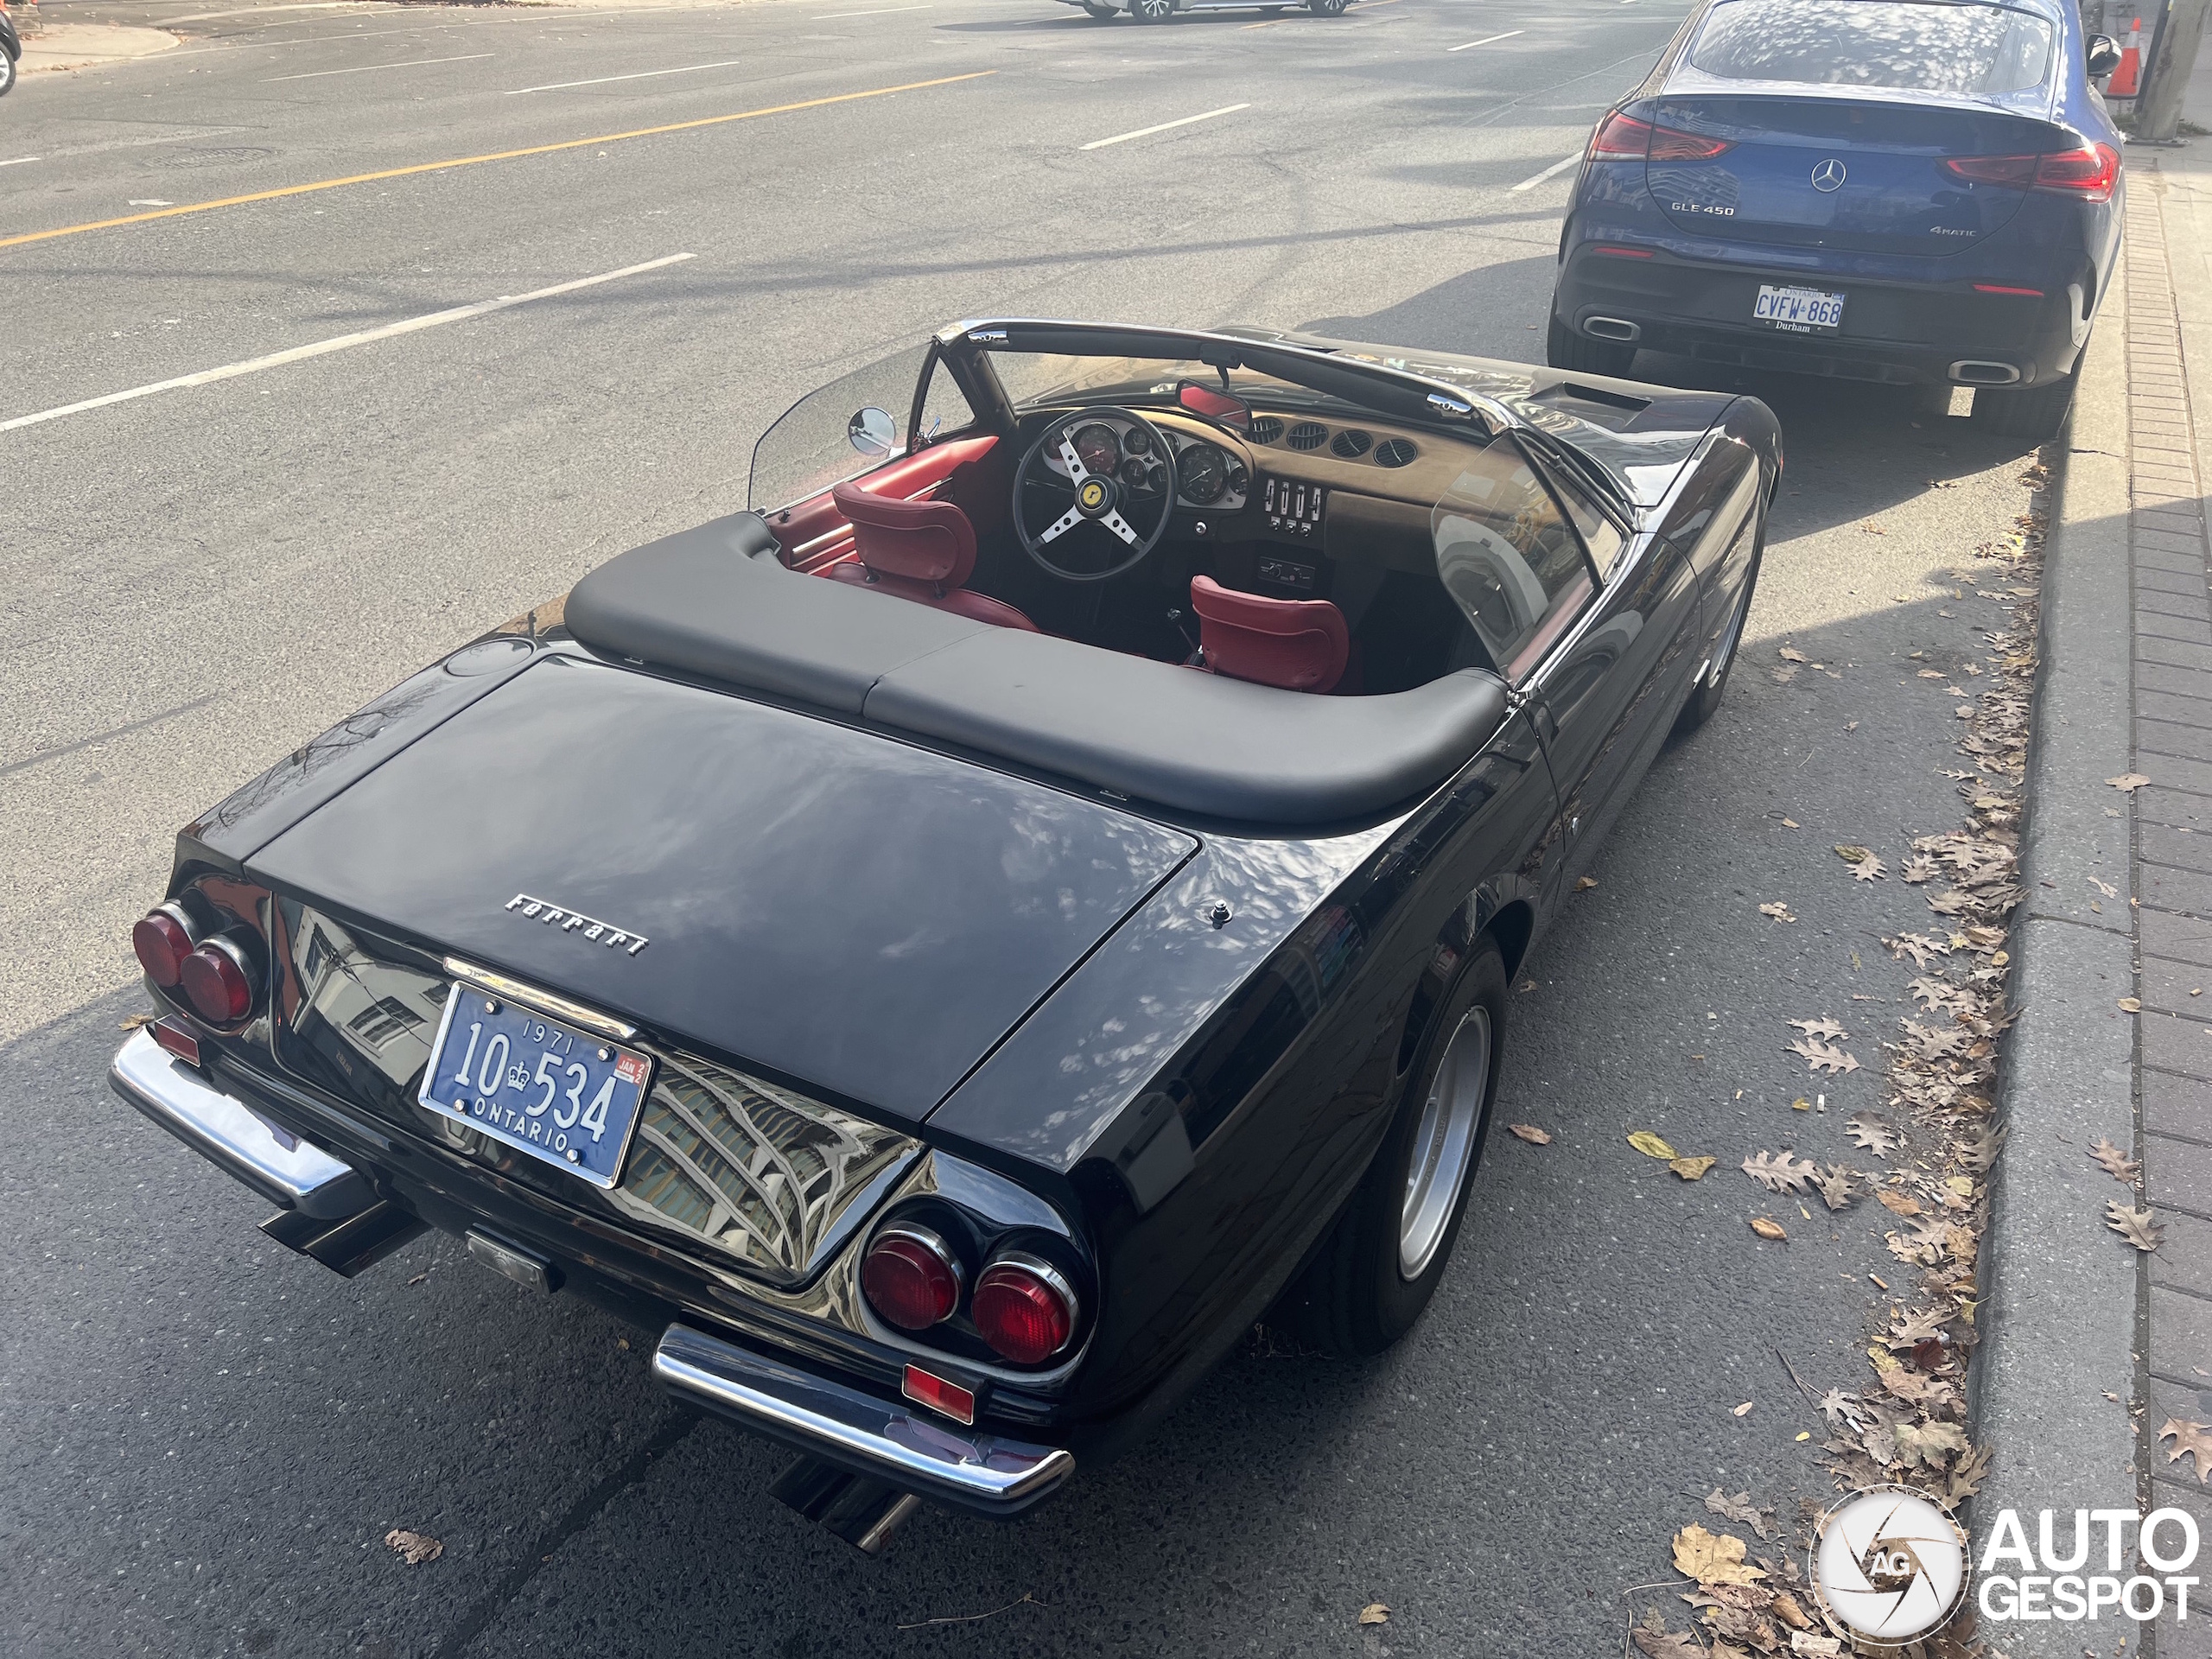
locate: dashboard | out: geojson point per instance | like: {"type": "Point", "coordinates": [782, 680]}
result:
{"type": "Point", "coordinates": [1204, 474]}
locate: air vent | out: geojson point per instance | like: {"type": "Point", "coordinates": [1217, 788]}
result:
{"type": "Point", "coordinates": [1306, 434]}
{"type": "Point", "coordinates": [1394, 452]}
{"type": "Point", "coordinates": [1266, 429]}
{"type": "Point", "coordinates": [1350, 444]}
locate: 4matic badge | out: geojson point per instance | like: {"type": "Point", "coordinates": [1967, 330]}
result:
{"type": "Point", "coordinates": [575, 921]}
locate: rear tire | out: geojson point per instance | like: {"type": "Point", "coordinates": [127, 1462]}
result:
{"type": "Point", "coordinates": [6, 73]}
{"type": "Point", "coordinates": [1386, 1254]}
{"type": "Point", "coordinates": [1102, 14]}
{"type": "Point", "coordinates": [1327, 7]}
{"type": "Point", "coordinates": [2035, 414]}
{"type": "Point", "coordinates": [1565, 349]}
{"type": "Point", "coordinates": [1151, 11]}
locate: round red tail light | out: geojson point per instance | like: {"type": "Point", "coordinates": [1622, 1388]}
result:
{"type": "Point", "coordinates": [910, 1277]}
{"type": "Point", "coordinates": [217, 983]}
{"type": "Point", "coordinates": [1024, 1309]}
{"type": "Point", "coordinates": [162, 942]}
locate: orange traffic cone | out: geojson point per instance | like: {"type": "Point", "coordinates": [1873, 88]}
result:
{"type": "Point", "coordinates": [2129, 76]}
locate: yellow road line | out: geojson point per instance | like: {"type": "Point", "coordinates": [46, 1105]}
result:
{"type": "Point", "coordinates": [472, 161]}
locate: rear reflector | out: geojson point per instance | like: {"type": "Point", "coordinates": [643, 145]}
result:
{"type": "Point", "coordinates": [2089, 173]}
{"type": "Point", "coordinates": [1624, 138]}
{"type": "Point", "coordinates": [2000, 288]}
{"type": "Point", "coordinates": [924, 1390]}
{"type": "Point", "coordinates": [176, 1039]}
{"type": "Point", "coordinates": [1623, 253]}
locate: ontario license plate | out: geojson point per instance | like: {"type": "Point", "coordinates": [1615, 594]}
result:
{"type": "Point", "coordinates": [1799, 310]}
{"type": "Point", "coordinates": [542, 1086]}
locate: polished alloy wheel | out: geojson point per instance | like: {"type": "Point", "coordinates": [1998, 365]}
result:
{"type": "Point", "coordinates": [1444, 1144]}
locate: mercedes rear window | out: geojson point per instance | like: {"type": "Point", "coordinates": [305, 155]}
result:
{"type": "Point", "coordinates": [1967, 51]}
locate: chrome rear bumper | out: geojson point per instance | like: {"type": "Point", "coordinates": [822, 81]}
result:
{"type": "Point", "coordinates": [228, 1134]}
{"type": "Point", "coordinates": [939, 1460]}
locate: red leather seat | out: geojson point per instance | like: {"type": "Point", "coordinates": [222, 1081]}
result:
{"type": "Point", "coordinates": [1301, 645]}
{"type": "Point", "coordinates": [922, 550]}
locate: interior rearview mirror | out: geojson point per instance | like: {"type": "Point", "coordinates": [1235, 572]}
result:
{"type": "Point", "coordinates": [873, 432]}
{"type": "Point", "coordinates": [2103, 56]}
{"type": "Point", "coordinates": [1219, 407]}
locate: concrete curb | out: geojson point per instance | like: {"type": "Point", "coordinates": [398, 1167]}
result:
{"type": "Point", "coordinates": [88, 46]}
{"type": "Point", "coordinates": [2055, 1373]}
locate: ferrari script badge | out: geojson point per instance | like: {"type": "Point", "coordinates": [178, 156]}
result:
{"type": "Point", "coordinates": [575, 921]}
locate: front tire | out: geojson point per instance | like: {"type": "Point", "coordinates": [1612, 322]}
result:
{"type": "Point", "coordinates": [1327, 7]}
{"type": "Point", "coordinates": [1705, 700]}
{"type": "Point", "coordinates": [1387, 1253]}
{"type": "Point", "coordinates": [1565, 349]}
{"type": "Point", "coordinates": [1102, 14]}
{"type": "Point", "coordinates": [1151, 11]}
{"type": "Point", "coordinates": [7, 73]}
{"type": "Point", "coordinates": [2036, 415]}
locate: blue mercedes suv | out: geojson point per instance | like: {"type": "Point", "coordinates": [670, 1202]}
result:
{"type": "Point", "coordinates": [1909, 191]}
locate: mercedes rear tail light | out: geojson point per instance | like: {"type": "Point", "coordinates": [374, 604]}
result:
{"type": "Point", "coordinates": [162, 941]}
{"type": "Point", "coordinates": [2088, 173]}
{"type": "Point", "coordinates": [911, 1278]}
{"type": "Point", "coordinates": [219, 981]}
{"type": "Point", "coordinates": [1024, 1309]}
{"type": "Point", "coordinates": [1624, 138]}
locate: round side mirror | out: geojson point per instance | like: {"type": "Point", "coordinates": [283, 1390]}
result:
{"type": "Point", "coordinates": [2103, 56]}
{"type": "Point", "coordinates": [872, 432]}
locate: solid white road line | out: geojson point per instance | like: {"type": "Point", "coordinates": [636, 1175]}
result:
{"type": "Point", "coordinates": [323, 347]}
{"type": "Point", "coordinates": [364, 68]}
{"type": "Point", "coordinates": [1551, 172]}
{"type": "Point", "coordinates": [1147, 132]}
{"type": "Point", "coordinates": [884, 12]}
{"type": "Point", "coordinates": [247, 11]}
{"type": "Point", "coordinates": [19, 160]}
{"type": "Point", "coordinates": [643, 75]}
{"type": "Point", "coordinates": [1486, 40]}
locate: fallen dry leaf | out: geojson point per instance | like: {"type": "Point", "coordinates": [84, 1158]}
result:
{"type": "Point", "coordinates": [1741, 1508]}
{"type": "Point", "coordinates": [1838, 1187]}
{"type": "Point", "coordinates": [1712, 1558]}
{"type": "Point", "coordinates": [1919, 868]}
{"type": "Point", "coordinates": [1766, 1228]}
{"type": "Point", "coordinates": [1787, 1610]}
{"type": "Point", "coordinates": [1868, 869]}
{"type": "Point", "coordinates": [1870, 1132]}
{"type": "Point", "coordinates": [2128, 782]}
{"type": "Point", "coordinates": [2190, 1437]}
{"type": "Point", "coordinates": [1743, 1410]}
{"type": "Point", "coordinates": [1775, 1171]}
{"type": "Point", "coordinates": [2117, 1164]}
{"type": "Point", "coordinates": [1791, 655]}
{"type": "Point", "coordinates": [1928, 1445]}
{"type": "Point", "coordinates": [1822, 1057]}
{"type": "Point", "coordinates": [2131, 1005]}
{"type": "Point", "coordinates": [1651, 1145]}
{"type": "Point", "coordinates": [1852, 854]}
{"type": "Point", "coordinates": [1823, 1027]}
{"type": "Point", "coordinates": [1375, 1613]}
{"type": "Point", "coordinates": [1897, 1204]}
{"type": "Point", "coordinates": [1584, 883]}
{"type": "Point", "coordinates": [1663, 1644]}
{"type": "Point", "coordinates": [1531, 1133]}
{"type": "Point", "coordinates": [2136, 1226]}
{"type": "Point", "coordinates": [1780, 911]}
{"type": "Point", "coordinates": [133, 1021]}
{"type": "Point", "coordinates": [416, 1549]}
{"type": "Point", "coordinates": [1690, 1168]}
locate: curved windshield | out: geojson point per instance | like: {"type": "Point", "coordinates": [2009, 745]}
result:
{"type": "Point", "coordinates": [1966, 51]}
{"type": "Point", "coordinates": [1042, 379]}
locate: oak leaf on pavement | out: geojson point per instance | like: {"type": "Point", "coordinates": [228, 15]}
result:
{"type": "Point", "coordinates": [2117, 1164]}
{"type": "Point", "coordinates": [2136, 1226]}
{"type": "Point", "coordinates": [1775, 1171]}
{"type": "Point", "coordinates": [1822, 1057]}
{"type": "Point", "coordinates": [2190, 1437]}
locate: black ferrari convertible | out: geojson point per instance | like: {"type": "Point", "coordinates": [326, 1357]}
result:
{"type": "Point", "coordinates": [949, 948]}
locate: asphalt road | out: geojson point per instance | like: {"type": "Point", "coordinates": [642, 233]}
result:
{"type": "Point", "coordinates": [203, 1440]}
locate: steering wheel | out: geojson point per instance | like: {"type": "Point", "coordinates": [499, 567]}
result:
{"type": "Point", "coordinates": [1096, 521]}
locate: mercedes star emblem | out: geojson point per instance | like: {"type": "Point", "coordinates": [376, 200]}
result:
{"type": "Point", "coordinates": [1828, 175]}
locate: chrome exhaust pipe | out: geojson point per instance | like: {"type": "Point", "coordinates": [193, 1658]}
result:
{"type": "Point", "coordinates": [1970, 371]}
{"type": "Point", "coordinates": [866, 1513]}
{"type": "Point", "coordinates": [1618, 328]}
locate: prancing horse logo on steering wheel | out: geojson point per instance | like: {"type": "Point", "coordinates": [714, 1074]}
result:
{"type": "Point", "coordinates": [1091, 496]}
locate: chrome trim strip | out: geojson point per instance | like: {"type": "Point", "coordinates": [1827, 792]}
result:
{"type": "Point", "coordinates": [231, 1135]}
{"type": "Point", "coordinates": [545, 1002]}
{"type": "Point", "coordinates": [981, 1473]}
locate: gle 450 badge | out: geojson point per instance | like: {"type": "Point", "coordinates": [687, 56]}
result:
{"type": "Point", "coordinates": [1889, 1566]}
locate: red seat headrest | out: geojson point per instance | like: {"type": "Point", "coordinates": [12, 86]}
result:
{"type": "Point", "coordinates": [923, 541]}
{"type": "Point", "coordinates": [1301, 645]}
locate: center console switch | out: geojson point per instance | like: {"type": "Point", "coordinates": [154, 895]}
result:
{"type": "Point", "coordinates": [1291, 509]}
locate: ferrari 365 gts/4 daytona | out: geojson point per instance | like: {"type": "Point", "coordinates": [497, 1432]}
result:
{"type": "Point", "coordinates": [949, 948]}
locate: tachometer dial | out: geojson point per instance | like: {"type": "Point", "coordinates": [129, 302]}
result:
{"type": "Point", "coordinates": [1202, 474]}
{"type": "Point", "coordinates": [1097, 447]}
{"type": "Point", "coordinates": [1141, 474]}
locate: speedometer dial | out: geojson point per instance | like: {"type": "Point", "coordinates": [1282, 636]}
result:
{"type": "Point", "coordinates": [1202, 474]}
{"type": "Point", "coordinates": [1097, 448]}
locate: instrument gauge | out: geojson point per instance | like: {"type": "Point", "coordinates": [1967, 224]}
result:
{"type": "Point", "coordinates": [1239, 480]}
{"type": "Point", "coordinates": [1202, 474]}
{"type": "Point", "coordinates": [1137, 442]}
{"type": "Point", "coordinates": [1139, 474]}
{"type": "Point", "coordinates": [1097, 448]}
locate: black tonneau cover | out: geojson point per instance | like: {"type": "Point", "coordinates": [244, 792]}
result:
{"type": "Point", "coordinates": [716, 602]}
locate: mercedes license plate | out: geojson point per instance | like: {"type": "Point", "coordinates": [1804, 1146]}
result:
{"type": "Point", "coordinates": [1799, 310]}
{"type": "Point", "coordinates": [540, 1085]}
